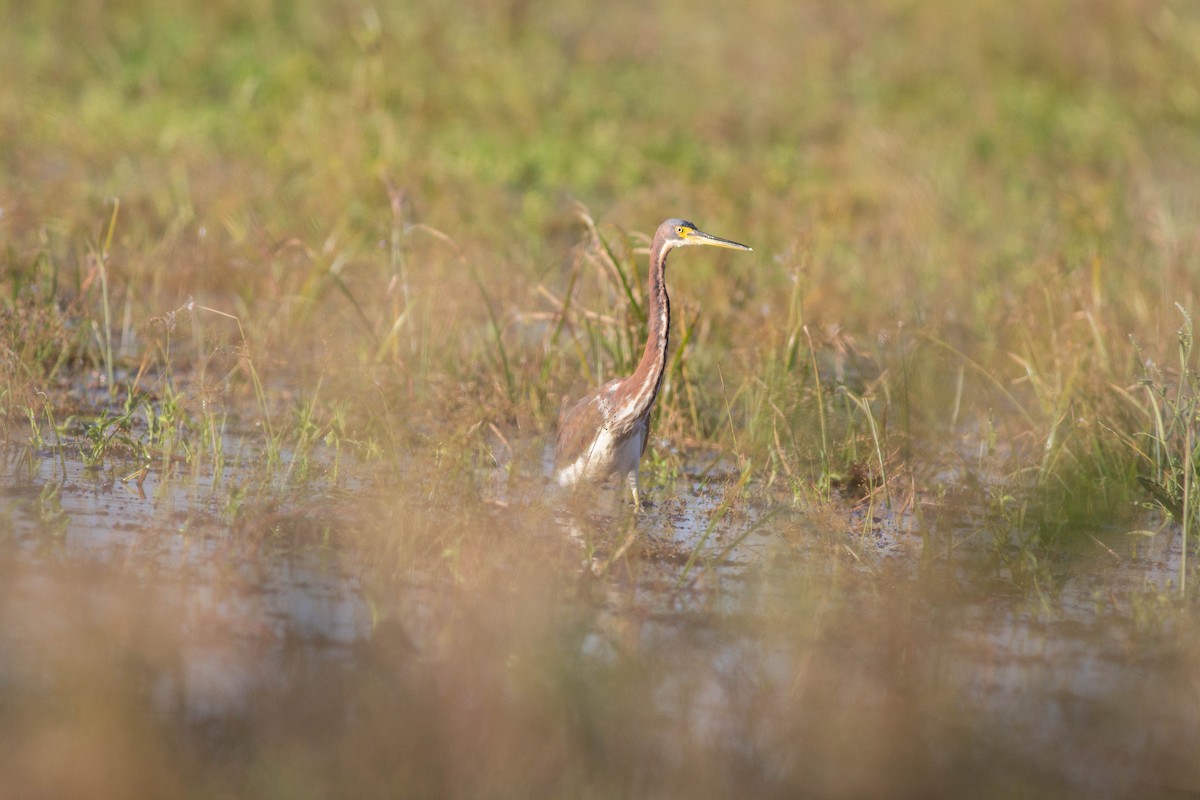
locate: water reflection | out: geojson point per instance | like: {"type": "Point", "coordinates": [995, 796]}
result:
{"type": "Point", "coordinates": [234, 602]}
{"type": "Point", "coordinates": [748, 636]}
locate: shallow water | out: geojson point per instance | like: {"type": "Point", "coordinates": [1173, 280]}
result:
{"type": "Point", "coordinates": [235, 602]}
{"type": "Point", "coordinates": [895, 661]}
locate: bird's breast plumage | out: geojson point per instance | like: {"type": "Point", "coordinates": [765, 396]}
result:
{"type": "Point", "coordinates": [595, 441]}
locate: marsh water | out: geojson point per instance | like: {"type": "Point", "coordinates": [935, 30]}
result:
{"type": "Point", "coordinates": [896, 656]}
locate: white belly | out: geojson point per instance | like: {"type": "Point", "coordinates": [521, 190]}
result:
{"type": "Point", "coordinates": [604, 458]}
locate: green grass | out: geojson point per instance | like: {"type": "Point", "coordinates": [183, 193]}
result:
{"type": "Point", "coordinates": [386, 243]}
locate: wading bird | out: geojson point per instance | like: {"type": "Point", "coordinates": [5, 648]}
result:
{"type": "Point", "coordinates": [605, 433]}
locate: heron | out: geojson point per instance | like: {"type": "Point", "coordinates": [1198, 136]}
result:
{"type": "Point", "coordinates": [604, 434]}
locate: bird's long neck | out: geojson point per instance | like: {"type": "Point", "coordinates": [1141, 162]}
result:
{"type": "Point", "coordinates": [639, 391]}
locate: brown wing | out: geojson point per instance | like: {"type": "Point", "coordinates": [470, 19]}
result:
{"type": "Point", "coordinates": [579, 424]}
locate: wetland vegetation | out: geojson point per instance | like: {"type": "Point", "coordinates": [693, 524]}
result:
{"type": "Point", "coordinates": [291, 295]}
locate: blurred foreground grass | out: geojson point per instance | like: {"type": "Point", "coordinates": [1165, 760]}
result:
{"type": "Point", "coordinates": [362, 228]}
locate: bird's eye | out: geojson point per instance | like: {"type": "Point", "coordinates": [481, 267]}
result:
{"type": "Point", "coordinates": [679, 229]}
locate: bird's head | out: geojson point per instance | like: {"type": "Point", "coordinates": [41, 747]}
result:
{"type": "Point", "coordinates": [681, 233]}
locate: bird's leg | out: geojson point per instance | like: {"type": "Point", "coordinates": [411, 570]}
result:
{"type": "Point", "coordinates": [632, 480]}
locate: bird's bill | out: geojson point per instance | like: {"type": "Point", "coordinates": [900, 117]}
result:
{"type": "Point", "coordinates": [700, 237]}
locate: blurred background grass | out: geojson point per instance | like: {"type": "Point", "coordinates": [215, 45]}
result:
{"type": "Point", "coordinates": [973, 166]}
{"type": "Point", "coordinates": [923, 159]}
